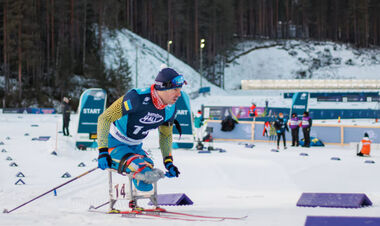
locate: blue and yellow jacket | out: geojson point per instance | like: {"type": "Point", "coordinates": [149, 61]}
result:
{"type": "Point", "coordinates": [130, 118]}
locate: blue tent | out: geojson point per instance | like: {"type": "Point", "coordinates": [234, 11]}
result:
{"type": "Point", "coordinates": [313, 142]}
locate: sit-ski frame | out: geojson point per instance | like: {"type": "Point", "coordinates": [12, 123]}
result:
{"type": "Point", "coordinates": [132, 196]}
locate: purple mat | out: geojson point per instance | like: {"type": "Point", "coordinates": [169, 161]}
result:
{"type": "Point", "coordinates": [337, 200]}
{"type": "Point", "coordinates": [41, 138]}
{"type": "Point", "coordinates": [177, 199]}
{"type": "Point", "coordinates": [342, 221]}
{"type": "Point", "coordinates": [205, 151]}
{"type": "Point", "coordinates": [335, 158]}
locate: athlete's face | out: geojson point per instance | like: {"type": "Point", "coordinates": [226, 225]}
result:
{"type": "Point", "coordinates": [170, 96]}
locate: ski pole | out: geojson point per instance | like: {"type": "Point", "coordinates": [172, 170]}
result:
{"type": "Point", "coordinates": [75, 178]}
{"type": "Point", "coordinates": [97, 207]}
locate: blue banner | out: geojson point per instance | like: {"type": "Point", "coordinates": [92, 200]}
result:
{"type": "Point", "coordinates": [92, 104]}
{"type": "Point", "coordinates": [300, 101]}
{"type": "Point", "coordinates": [183, 116]}
{"type": "Point", "coordinates": [41, 110]}
{"type": "Point", "coordinates": [30, 110]}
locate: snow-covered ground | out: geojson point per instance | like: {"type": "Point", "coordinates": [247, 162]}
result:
{"type": "Point", "coordinates": [256, 182]}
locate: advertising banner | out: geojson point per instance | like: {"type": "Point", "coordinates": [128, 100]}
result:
{"type": "Point", "coordinates": [30, 110]}
{"type": "Point", "coordinates": [330, 98]}
{"type": "Point", "coordinates": [92, 104]}
{"type": "Point", "coordinates": [183, 116]}
{"type": "Point", "coordinates": [300, 101]}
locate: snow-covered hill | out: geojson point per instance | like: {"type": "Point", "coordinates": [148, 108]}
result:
{"type": "Point", "coordinates": [149, 59]}
{"type": "Point", "coordinates": [300, 59]}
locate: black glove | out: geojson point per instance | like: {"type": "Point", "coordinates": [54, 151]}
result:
{"type": "Point", "coordinates": [104, 159]}
{"type": "Point", "coordinates": [172, 169]}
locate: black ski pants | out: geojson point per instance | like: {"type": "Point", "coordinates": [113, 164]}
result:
{"type": "Point", "coordinates": [295, 139]}
{"type": "Point", "coordinates": [279, 135]}
{"type": "Point", "coordinates": [306, 135]}
{"type": "Point", "coordinates": [65, 127]}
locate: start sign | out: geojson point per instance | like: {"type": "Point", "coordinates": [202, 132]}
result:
{"type": "Point", "coordinates": [92, 104]}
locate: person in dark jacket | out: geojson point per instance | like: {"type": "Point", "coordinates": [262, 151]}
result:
{"type": "Point", "coordinates": [281, 125]}
{"type": "Point", "coordinates": [294, 126]}
{"type": "Point", "coordinates": [228, 123]}
{"type": "Point", "coordinates": [66, 116]}
{"type": "Point", "coordinates": [306, 126]}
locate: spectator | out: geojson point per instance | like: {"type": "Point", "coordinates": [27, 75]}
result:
{"type": "Point", "coordinates": [281, 125]}
{"type": "Point", "coordinates": [252, 110]}
{"type": "Point", "coordinates": [306, 126]}
{"type": "Point", "coordinates": [198, 124]}
{"type": "Point", "coordinates": [365, 144]}
{"type": "Point", "coordinates": [66, 116]}
{"type": "Point", "coordinates": [228, 123]}
{"type": "Point", "coordinates": [294, 126]}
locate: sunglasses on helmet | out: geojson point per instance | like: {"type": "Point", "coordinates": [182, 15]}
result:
{"type": "Point", "coordinates": [176, 82]}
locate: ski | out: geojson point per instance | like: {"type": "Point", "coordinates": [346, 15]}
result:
{"type": "Point", "coordinates": [163, 215]}
{"type": "Point", "coordinates": [193, 215]}
{"type": "Point", "coordinates": [152, 214]}
{"type": "Point", "coordinates": [160, 211]}
{"type": "Point", "coordinates": [205, 216]}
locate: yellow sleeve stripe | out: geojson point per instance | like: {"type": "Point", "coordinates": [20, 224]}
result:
{"type": "Point", "coordinates": [111, 114]}
{"type": "Point", "coordinates": [127, 105]}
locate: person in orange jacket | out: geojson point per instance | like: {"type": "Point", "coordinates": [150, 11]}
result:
{"type": "Point", "coordinates": [252, 110]}
{"type": "Point", "coordinates": [365, 146]}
